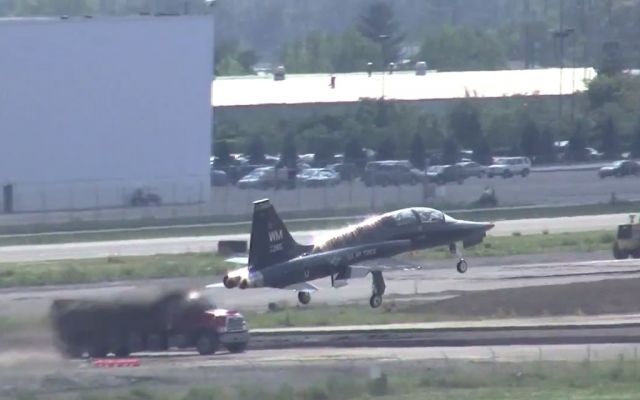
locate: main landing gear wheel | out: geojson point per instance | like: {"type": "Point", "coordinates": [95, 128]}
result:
{"type": "Point", "coordinates": [304, 297]}
{"type": "Point", "coordinates": [462, 266]}
{"type": "Point", "coordinates": [378, 289]}
{"type": "Point", "coordinates": [375, 301]}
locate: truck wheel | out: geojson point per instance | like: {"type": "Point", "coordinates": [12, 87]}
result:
{"type": "Point", "coordinates": [207, 343]}
{"type": "Point", "coordinates": [618, 253]}
{"type": "Point", "coordinates": [157, 343]}
{"type": "Point", "coordinates": [236, 347]}
{"type": "Point", "coordinates": [122, 351]}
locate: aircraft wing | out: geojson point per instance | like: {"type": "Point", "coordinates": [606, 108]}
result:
{"type": "Point", "coordinates": [302, 287]}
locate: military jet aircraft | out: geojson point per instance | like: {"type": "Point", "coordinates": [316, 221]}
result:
{"type": "Point", "coordinates": [276, 260]}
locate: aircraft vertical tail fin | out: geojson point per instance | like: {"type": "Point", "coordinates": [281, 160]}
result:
{"type": "Point", "coordinates": [270, 243]}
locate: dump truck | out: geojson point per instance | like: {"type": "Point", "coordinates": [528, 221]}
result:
{"type": "Point", "coordinates": [627, 241]}
{"type": "Point", "coordinates": [150, 322]}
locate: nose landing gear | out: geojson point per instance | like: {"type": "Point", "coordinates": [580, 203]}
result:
{"type": "Point", "coordinates": [378, 288]}
{"type": "Point", "coordinates": [462, 265]}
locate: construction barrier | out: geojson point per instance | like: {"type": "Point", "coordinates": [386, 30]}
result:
{"type": "Point", "coordinates": [116, 362]}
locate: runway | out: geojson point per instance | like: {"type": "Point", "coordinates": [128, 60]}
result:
{"type": "Point", "coordinates": [178, 245]}
{"type": "Point", "coordinates": [438, 280]}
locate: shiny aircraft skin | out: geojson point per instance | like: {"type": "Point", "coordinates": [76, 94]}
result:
{"type": "Point", "coordinates": [276, 260]}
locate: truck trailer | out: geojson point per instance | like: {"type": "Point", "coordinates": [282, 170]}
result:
{"type": "Point", "coordinates": [151, 322]}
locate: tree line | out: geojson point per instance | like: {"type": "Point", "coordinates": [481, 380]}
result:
{"type": "Point", "coordinates": [310, 36]}
{"type": "Point", "coordinates": [605, 118]}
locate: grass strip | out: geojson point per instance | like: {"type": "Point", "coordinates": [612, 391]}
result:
{"type": "Point", "coordinates": [453, 380]}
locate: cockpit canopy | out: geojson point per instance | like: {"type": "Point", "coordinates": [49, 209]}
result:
{"type": "Point", "coordinates": [416, 215]}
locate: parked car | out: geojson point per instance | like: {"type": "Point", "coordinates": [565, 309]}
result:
{"type": "Point", "coordinates": [144, 197]}
{"type": "Point", "coordinates": [507, 167]}
{"type": "Point", "coordinates": [265, 178]}
{"type": "Point", "coordinates": [219, 178]}
{"type": "Point", "coordinates": [318, 177]}
{"type": "Point", "coordinates": [443, 174]}
{"type": "Point", "coordinates": [346, 171]}
{"type": "Point", "coordinates": [392, 172]}
{"type": "Point", "coordinates": [472, 168]}
{"type": "Point", "coordinates": [620, 168]}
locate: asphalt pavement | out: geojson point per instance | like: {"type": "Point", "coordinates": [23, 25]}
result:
{"type": "Point", "coordinates": [556, 186]}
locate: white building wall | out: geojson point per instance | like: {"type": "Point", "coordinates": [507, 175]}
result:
{"type": "Point", "coordinates": [91, 109]}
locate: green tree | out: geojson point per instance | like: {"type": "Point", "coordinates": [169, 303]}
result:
{"type": "Point", "coordinates": [530, 139]}
{"type": "Point", "coordinates": [482, 151]}
{"type": "Point", "coordinates": [377, 24]}
{"type": "Point", "coordinates": [577, 143]}
{"type": "Point", "coordinates": [231, 60]}
{"type": "Point", "coordinates": [353, 52]}
{"type": "Point", "coordinates": [229, 67]}
{"type": "Point", "coordinates": [256, 150]}
{"type": "Point", "coordinates": [353, 152]}
{"type": "Point", "coordinates": [462, 49]}
{"type": "Point", "coordinates": [248, 58]}
{"type": "Point", "coordinates": [450, 150]}
{"type": "Point", "coordinates": [222, 152]}
{"type": "Point", "coordinates": [611, 59]}
{"type": "Point", "coordinates": [635, 142]}
{"type": "Point", "coordinates": [417, 152]}
{"type": "Point", "coordinates": [546, 148]}
{"type": "Point", "coordinates": [604, 89]}
{"type": "Point", "coordinates": [609, 138]}
{"type": "Point", "coordinates": [386, 150]}
{"type": "Point", "coordinates": [289, 154]}
{"type": "Point", "coordinates": [464, 122]}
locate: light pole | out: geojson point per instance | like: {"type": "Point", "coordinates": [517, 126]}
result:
{"type": "Point", "coordinates": [383, 39]}
{"type": "Point", "coordinates": [561, 35]}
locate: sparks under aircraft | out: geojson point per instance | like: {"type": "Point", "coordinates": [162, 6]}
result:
{"type": "Point", "coordinates": [276, 260]}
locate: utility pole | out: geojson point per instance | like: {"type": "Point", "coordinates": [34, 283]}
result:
{"type": "Point", "coordinates": [561, 35]}
{"type": "Point", "coordinates": [527, 34]}
{"type": "Point", "coordinates": [383, 41]}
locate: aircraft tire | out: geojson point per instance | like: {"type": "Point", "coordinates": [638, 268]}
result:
{"type": "Point", "coordinates": [375, 301]}
{"type": "Point", "coordinates": [304, 297]}
{"type": "Point", "coordinates": [462, 266]}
